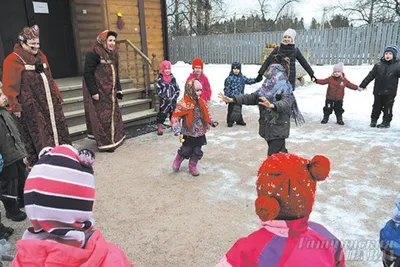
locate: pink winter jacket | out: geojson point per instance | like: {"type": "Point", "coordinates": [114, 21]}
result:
{"type": "Point", "coordinates": [279, 243]}
{"type": "Point", "coordinates": [97, 252]}
{"type": "Point", "coordinates": [206, 94]}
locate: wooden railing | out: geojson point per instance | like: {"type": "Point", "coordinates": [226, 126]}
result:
{"type": "Point", "coordinates": [135, 65]}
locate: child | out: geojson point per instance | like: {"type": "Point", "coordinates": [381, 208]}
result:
{"type": "Point", "coordinates": [234, 85]}
{"type": "Point", "coordinates": [5, 232]}
{"type": "Point", "coordinates": [62, 182]}
{"type": "Point", "coordinates": [286, 188]}
{"type": "Point", "coordinates": [386, 74]}
{"type": "Point", "coordinates": [198, 73]}
{"type": "Point", "coordinates": [196, 119]}
{"type": "Point", "coordinates": [276, 106]}
{"type": "Point", "coordinates": [168, 91]}
{"type": "Point", "coordinates": [288, 49]}
{"type": "Point", "coordinates": [13, 175]}
{"type": "Point", "coordinates": [390, 239]}
{"type": "Point", "coordinates": [335, 93]}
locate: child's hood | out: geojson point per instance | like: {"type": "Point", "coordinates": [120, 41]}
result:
{"type": "Point", "coordinates": [49, 253]}
{"type": "Point", "coordinates": [274, 69]}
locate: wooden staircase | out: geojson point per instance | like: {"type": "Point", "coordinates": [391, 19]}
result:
{"type": "Point", "coordinates": [135, 108]}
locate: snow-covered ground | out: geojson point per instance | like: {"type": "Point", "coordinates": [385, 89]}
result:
{"type": "Point", "coordinates": [361, 157]}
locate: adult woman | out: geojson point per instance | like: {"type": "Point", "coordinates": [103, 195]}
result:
{"type": "Point", "coordinates": [33, 95]}
{"type": "Point", "coordinates": [288, 49]}
{"type": "Point", "coordinates": [101, 87]}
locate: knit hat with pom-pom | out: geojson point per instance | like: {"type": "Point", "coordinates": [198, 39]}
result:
{"type": "Point", "coordinates": [286, 186]}
{"type": "Point", "coordinates": [59, 194]}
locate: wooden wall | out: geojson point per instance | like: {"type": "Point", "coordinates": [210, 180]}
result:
{"type": "Point", "coordinates": [102, 14]}
{"type": "Point", "coordinates": [86, 26]}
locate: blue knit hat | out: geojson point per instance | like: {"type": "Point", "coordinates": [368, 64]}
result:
{"type": "Point", "coordinates": [396, 211]}
{"type": "Point", "coordinates": [392, 49]}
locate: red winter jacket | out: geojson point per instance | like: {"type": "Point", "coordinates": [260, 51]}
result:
{"type": "Point", "coordinates": [336, 87]}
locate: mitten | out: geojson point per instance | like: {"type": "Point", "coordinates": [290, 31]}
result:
{"type": "Point", "coordinates": [259, 78]}
{"type": "Point", "coordinates": [4, 251]}
{"type": "Point", "coordinates": [120, 95]}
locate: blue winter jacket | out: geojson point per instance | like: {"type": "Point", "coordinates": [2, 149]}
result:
{"type": "Point", "coordinates": [234, 84]}
{"type": "Point", "coordinates": [390, 237]}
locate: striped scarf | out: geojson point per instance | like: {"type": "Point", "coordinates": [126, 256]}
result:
{"type": "Point", "coordinates": [59, 196]}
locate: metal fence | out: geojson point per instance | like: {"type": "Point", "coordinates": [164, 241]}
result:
{"type": "Point", "coordinates": [352, 45]}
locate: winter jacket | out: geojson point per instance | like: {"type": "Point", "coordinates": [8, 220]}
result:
{"type": "Point", "coordinates": [199, 129]}
{"type": "Point", "coordinates": [234, 84]}
{"type": "Point", "coordinates": [390, 238]}
{"type": "Point", "coordinates": [386, 75]}
{"type": "Point", "coordinates": [292, 53]}
{"type": "Point", "coordinates": [97, 252]}
{"type": "Point", "coordinates": [282, 243]}
{"type": "Point", "coordinates": [168, 93]}
{"type": "Point", "coordinates": [206, 93]}
{"type": "Point", "coordinates": [11, 146]}
{"type": "Point", "coordinates": [273, 123]}
{"type": "Point", "coordinates": [336, 86]}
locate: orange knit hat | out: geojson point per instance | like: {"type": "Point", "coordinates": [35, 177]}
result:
{"type": "Point", "coordinates": [197, 62]}
{"type": "Point", "coordinates": [286, 185]}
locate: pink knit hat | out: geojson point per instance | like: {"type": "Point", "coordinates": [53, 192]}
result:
{"type": "Point", "coordinates": [338, 67]}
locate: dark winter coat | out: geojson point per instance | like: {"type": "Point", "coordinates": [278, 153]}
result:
{"type": "Point", "coordinates": [91, 62]}
{"type": "Point", "coordinates": [386, 75]}
{"type": "Point", "coordinates": [336, 86]}
{"type": "Point", "coordinates": [11, 145]}
{"type": "Point", "coordinates": [234, 84]}
{"type": "Point", "coordinates": [292, 53]}
{"type": "Point", "coordinates": [168, 93]}
{"type": "Point", "coordinates": [273, 123]}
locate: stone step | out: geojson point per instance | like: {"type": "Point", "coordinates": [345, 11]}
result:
{"type": "Point", "coordinates": [128, 119]}
{"type": "Point", "coordinates": [76, 103]}
{"type": "Point", "coordinates": [77, 117]}
{"type": "Point", "coordinates": [73, 88]}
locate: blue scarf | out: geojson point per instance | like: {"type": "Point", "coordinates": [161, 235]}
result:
{"type": "Point", "coordinates": [276, 83]}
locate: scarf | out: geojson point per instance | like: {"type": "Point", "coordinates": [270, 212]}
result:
{"type": "Point", "coordinates": [100, 47]}
{"type": "Point", "coordinates": [276, 83]}
{"type": "Point", "coordinates": [186, 106]}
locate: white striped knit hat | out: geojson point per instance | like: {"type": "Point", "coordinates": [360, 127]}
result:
{"type": "Point", "coordinates": [59, 194]}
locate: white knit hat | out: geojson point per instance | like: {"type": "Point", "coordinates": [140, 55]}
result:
{"type": "Point", "coordinates": [290, 32]}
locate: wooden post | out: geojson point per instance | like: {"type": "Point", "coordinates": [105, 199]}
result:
{"type": "Point", "coordinates": [155, 65]}
{"type": "Point", "coordinates": [143, 40]}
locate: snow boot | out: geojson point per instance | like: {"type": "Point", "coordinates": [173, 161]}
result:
{"type": "Point", "coordinates": [177, 163]}
{"type": "Point", "coordinates": [325, 119]}
{"type": "Point", "coordinates": [339, 119]}
{"type": "Point", "coordinates": [160, 129]}
{"type": "Point", "coordinates": [384, 124]}
{"type": "Point", "coordinates": [230, 124]}
{"type": "Point", "coordinates": [242, 123]}
{"type": "Point", "coordinates": [12, 211]}
{"type": "Point", "coordinates": [373, 123]}
{"type": "Point", "coordinates": [193, 167]}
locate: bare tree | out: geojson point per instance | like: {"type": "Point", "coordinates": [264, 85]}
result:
{"type": "Point", "coordinates": [281, 7]}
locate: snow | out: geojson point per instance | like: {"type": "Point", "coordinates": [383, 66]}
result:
{"type": "Point", "coordinates": [351, 140]}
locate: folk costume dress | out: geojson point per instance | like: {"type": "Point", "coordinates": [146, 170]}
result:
{"type": "Point", "coordinates": [31, 90]}
{"type": "Point", "coordinates": [103, 116]}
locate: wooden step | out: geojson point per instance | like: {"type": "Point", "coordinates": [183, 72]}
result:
{"type": "Point", "coordinates": [75, 103]}
{"type": "Point", "coordinates": [71, 88]}
{"type": "Point", "coordinates": [128, 119]}
{"type": "Point", "coordinates": [77, 117]}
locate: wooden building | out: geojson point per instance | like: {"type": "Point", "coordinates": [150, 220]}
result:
{"type": "Point", "coordinates": [68, 29]}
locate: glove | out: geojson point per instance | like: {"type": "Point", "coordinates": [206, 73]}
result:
{"type": "Point", "coordinates": [313, 79]}
{"type": "Point", "coordinates": [259, 78]}
{"type": "Point", "coordinates": [120, 95]}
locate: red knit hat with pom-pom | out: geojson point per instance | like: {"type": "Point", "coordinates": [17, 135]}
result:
{"type": "Point", "coordinates": [286, 185]}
